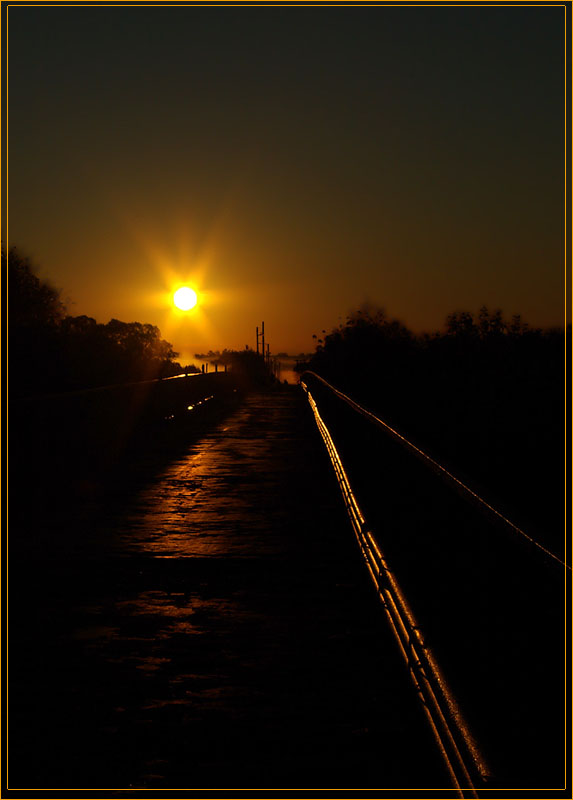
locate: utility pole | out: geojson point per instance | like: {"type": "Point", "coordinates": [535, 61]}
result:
{"type": "Point", "coordinates": [264, 353]}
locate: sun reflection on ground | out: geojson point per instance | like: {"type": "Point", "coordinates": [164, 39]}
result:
{"type": "Point", "coordinates": [195, 510]}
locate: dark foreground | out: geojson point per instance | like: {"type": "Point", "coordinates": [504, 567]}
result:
{"type": "Point", "coordinates": [215, 632]}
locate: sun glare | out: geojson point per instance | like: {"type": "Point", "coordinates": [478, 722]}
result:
{"type": "Point", "coordinates": [185, 298]}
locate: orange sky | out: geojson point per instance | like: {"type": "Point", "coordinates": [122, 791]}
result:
{"type": "Point", "coordinates": [289, 163]}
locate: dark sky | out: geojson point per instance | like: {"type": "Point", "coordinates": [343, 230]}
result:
{"type": "Point", "coordinates": [289, 163]}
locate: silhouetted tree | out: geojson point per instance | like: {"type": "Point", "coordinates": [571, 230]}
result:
{"type": "Point", "coordinates": [33, 302]}
{"type": "Point", "coordinates": [485, 394]}
{"type": "Point", "coordinates": [49, 351]}
{"type": "Point", "coordinates": [34, 313]}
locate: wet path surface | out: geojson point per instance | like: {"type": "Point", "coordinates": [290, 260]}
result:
{"type": "Point", "coordinates": [219, 632]}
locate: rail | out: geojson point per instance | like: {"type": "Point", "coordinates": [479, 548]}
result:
{"type": "Point", "coordinates": [465, 764]}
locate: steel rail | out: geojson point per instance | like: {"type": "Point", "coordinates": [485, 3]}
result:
{"type": "Point", "coordinates": [461, 487]}
{"type": "Point", "coordinates": [465, 764]}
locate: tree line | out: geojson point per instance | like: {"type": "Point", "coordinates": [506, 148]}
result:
{"type": "Point", "coordinates": [486, 395]}
{"type": "Point", "coordinates": [472, 364]}
{"type": "Point", "coordinates": [52, 351]}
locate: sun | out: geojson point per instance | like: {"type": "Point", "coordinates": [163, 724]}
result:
{"type": "Point", "coordinates": [185, 298]}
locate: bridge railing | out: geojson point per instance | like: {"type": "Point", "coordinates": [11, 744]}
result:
{"type": "Point", "coordinates": [463, 760]}
{"type": "Point", "coordinates": [472, 605]}
{"type": "Point", "coordinates": [95, 426]}
{"type": "Point", "coordinates": [463, 488]}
